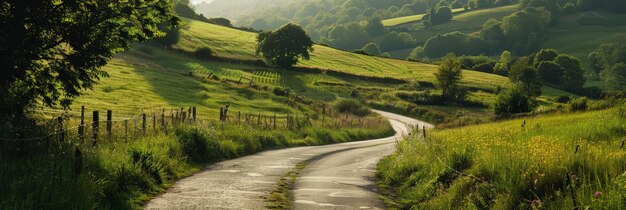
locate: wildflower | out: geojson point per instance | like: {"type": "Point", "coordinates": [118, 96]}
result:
{"type": "Point", "coordinates": [597, 194]}
{"type": "Point", "coordinates": [535, 204]}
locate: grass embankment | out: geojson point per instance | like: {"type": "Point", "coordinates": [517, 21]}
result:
{"type": "Point", "coordinates": [553, 162]}
{"type": "Point", "coordinates": [123, 173]}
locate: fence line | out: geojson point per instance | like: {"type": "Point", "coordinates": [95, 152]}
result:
{"type": "Point", "coordinates": [161, 121]}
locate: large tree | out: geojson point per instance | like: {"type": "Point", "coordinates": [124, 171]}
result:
{"type": "Point", "coordinates": [448, 76]}
{"type": "Point", "coordinates": [284, 46]}
{"type": "Point", "coordinates": [52, 50]}
{"type": "Point", "coordinates": [526, 77]}
{"type": "Point", "coordinates": [573, 73]}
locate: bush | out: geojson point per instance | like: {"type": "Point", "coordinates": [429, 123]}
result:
{"type": "Point", "coordinates": [512, 102]}
{"type": "Point", "coordinates": [281, 91]}
{"type": "Point", "coordinates": [352, 107]}
{"type": "Point", "coordinates": [579, 104]}
{"type": "Point", "coordinates": [484, 67]}
{"type": "Point", "coordinates": [204, 53]}
{"type": "Point", "coordinates": [562, 99]}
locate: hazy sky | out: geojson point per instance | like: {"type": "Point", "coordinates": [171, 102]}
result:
{"type": "Point", "coordinates": [199, 1]}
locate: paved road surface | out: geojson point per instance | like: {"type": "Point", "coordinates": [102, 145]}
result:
{"type": "Point", "coordinates": [338, 176]}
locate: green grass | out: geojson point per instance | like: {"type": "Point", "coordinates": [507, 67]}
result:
{"type": "Point", "coordinates": [469, 22]}
{"type": "Point", "coordinates": [574, 38]}
{"type": "Point", "coordinates": [197, 34]}
{"type": "Point", "coordinates": [412, 18]}
{"type": "Point", "coordinates": [516, 164]}
{"type": "Point", "coordinates": [125, 172]}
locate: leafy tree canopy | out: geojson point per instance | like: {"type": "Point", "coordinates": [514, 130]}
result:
{"type": "Point", "coordinates": [284, 46]}
{"type": "Point", "coordinates": [50, 51]}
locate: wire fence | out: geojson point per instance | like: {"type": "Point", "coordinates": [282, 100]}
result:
{"type": "Point", "coordinates": [94, 125]}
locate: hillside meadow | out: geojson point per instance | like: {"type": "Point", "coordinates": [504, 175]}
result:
{"type": "Point", "coordinates": [563, 161]}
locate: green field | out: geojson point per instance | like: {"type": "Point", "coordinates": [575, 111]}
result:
{"type": "Point", "coordinates": [412, 18]}
{"type": "Point", "coordinates": [468, 22]}
{"type": "Point", "coordinates": [587, 37]}
{"type": "Point", "coordinates": [236, 44]}
{"type": "Point", "coordinates": [150, 79]}
{"type": "Point", "coordinates": [548, 162]}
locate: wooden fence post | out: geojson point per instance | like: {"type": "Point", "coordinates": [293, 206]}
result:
{"type": "Point", "coordinates": [163, 119]}
{"type": "Point", "coordinates": [143, 124]}
{"type": "Point", "coordinates": [184, 116]}
{"type": "Point", "coordinates": [424, 132]}
{"type": "Point", "coordinates": [194, 113]}
{"type": "Point", "coordinates": [274, 121]}
{"type": "Point", "coordinates": [221, 114]}
{"type": "Point", "coordinates": [259, 120]}
{"type": "Point", "coordinates": [95, 126]}
{"type": "Point", "coordinates": [154, 122]}
{"type": "Point", "coordinates": [81, 128]}
{"type": "Point", "coordinates": [109, 123]}
{"type": "Point", "coordinates": [239, 117]}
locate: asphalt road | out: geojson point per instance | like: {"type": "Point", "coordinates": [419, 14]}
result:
{"type": "Point", "coordinates": [338, 176]}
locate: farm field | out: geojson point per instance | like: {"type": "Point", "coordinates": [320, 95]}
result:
{"type": "Point", "coordinates": [412, 18]}
{"type": "Point", "coordinates": [467, 22]}
{"type": "Point", "coordinates": [595, 28]}
{"type": "Point", "coordinates": [235, 44]}
{"type": "Point", "coordinates": [553, 162]}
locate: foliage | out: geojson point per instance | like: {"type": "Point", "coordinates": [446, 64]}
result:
{"type": "Point", "coordinates": [545, 55]}
{"type": "Point", "coordinates": [550, 72]}
{"type": "Point", "coordinates": [204, 53]}
{"type": "Point", "coordinates": [502, 67]}
{"type": "Point", "coordinates": [352, 106]}
{"type": "Point", "coordinates": [512, 101]}
{"type": "Point", "coordinates": [51, 51]}
{"type": "Point", "coordinates": [220, 21]}
{"type": "Point", "coordinates": [375, 27]}
{"type": "Point", "coordinates": [285, 46]}
{"type": "Point", "coordinates": [579, 104]}
{"type": "Point", "coordinates": [595, 63]}
{"type": "Point", "coordinates": [526, 77]}
{"type": "Point", "coordinates": [455, 42]}
{"type": "Point", "coordinates": [448, 76]}
{"type": "Point", "coordinates": [394, 41]}
{"type": "Point", "coordinates": [441, 15]}
{"type": "Point", "coordinates": [520, 27]}
{"type": "Point", "coordinates": [574, 75]}
{"type": "Point", "coordinates": [615, 77]}
{"type": "Point", "coordinates": [372, 49]}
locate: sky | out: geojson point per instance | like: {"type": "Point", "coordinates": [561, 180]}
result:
{"type": "Point", "coordinates": [200, 1]}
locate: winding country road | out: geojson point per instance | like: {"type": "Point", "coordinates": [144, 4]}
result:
{"type": "Point", "coordinates": [338, 176]}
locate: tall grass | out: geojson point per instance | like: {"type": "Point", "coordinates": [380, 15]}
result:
{"type": "Point", "coordinates": [124, 173]}
{"type": "Point", "coordinates": [554, 162]}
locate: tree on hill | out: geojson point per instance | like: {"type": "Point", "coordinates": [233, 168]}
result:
{"type": "Point", "coordinates": [448, 76]}
{"type": "Point", "coordinates": [50, 51]}
{"type": "Point", "coordinates": [512, 102]}
{"type": "Point", "coordinates": [573, 74]}
{"type": "Point", "coordinates": [441, 15]}
{"type": "Point", "coordinates": [502, 67]}
{"type": "Point", "coordinates": [372, 49]}
{"type": "Point", "coordinates": [519, 27]}
{"type": "Point", "coordinates": [375, 27]}
{"type": "Point", "coordinates": [221, 22]}
{"type": "Point", "coordinates": [284, 46]}
{"type": "Point", "coordinates": [595, 63]}
{"type": "Point", "coordinates": [550, 72]}
{"type": "Point", "coordinates": [615, 77]}
{"type": "Point", "coordinates": [526, 77]}
{"type": "Point", "coordinates": [545, 55]}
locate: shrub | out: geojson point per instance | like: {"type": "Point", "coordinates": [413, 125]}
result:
{"type": "Point", "coordinates": [562, 99]}
{"type": "Point", "coordinates": [204, 53]}
{"type": "Point", "coordinates": [512, 102]}
{"type": "Point", "coordinates": [352, 107]}
{"type": "Point", "coordinates": [484, 67]}
{"type": "Point", "coordinates": [282, 91]}
{"type": "Point", "coordinates": [579, 104]}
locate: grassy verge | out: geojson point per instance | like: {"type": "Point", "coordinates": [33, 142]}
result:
{"type": "Point", "coordinates": [125, 173]}
{"type": "Point", "coordinates": [565, 161]}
